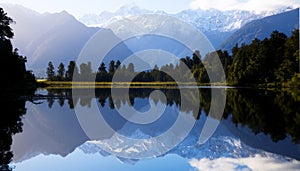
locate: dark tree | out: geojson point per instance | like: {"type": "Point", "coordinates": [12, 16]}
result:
{"type": "Point", "coordinates": [102, 73]}
{"type": "Point", "coordinates": [272, 60]}
{"type": "Point", "coordinates": [5, 30]}
{"type": "Point", "coordinates": [10, 61]}
{"type": "Point", "coordinates": [111, 68]}
{"type": "Point", "coordinates": [196, 57]}
{"type": "Point", "coordinates": [102, 68]}
{"type": "Point", "coordinates": [61, 72]}
{"type": "Point", "coordinates": [72, 70]}
{"type": "Point", "coordinates": [118, 64]}
{"type": "Point", "coordinates": [50, 71]}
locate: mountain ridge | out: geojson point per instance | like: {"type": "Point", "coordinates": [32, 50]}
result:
{"type": "Point", "coordinates": [56, 37]}
{"type": "Point", "coordinates": [284, 22]}
{"type": "Point", "coordinates": [215, 24]}
{"type": "Point", "coordinates": [59, 37]}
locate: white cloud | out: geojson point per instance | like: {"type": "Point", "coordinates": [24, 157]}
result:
{"type": "Point", "coordinates": [256, 163]}
{"type": "Point", "coordinates": [249, 5]}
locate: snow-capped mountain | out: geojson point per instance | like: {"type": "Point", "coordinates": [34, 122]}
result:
{"type": "Point", "coordinates": [215, 24]}
{"type": "Point", "coordinates": [46, 131]}
{"type": "Point", "coordinates": [204, 20]}
{"type": "Point", "coordinates": [106, 17]}
{"type": "Point", "coordinates": [223, 143]}
{"type": "Point", "coordinates": [283, 22]}
{"type": "Point", "coordinates": [223, 21]}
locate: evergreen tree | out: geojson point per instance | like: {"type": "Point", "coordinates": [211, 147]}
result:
{"type": "Point", "coordinates": [5, 30]}
{"type": "Point", "coordinates": [102, 68]}
{"type": "Point", "coordinates": [72, 70]}
{"type": "Point", "coordinates": [111, 68]}
{"type": "Point", "coordinates": [196, 57]}
{"type": "Point", "coordinates": [50, 71]}
{"type": "Point", "coordinates": [102, 73]}
{"type": "Point", "coordinates": [61, 72]}
{"type": "Point", "coordinates": [273, 60]}
{"type": "Point", "coordinates": [118, 64]}
{"type": "Point", "coordinates": [290, 63]}
{"type": "Point", "coordinates": [10, 61]}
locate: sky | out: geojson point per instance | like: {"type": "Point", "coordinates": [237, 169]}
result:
{"type": "Point", "coordinates": [79, 7]}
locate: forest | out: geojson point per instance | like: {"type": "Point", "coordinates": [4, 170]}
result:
{"type": "Point", "coordinates": [16, 82]}
{"type": "Point", "coordinates": [272, 61]}
{"type": "Point", "coordinates": [12, 65]}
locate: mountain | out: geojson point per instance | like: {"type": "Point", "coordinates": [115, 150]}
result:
{"type": "Point", "coordinates": [262, 28]}
{"type": "Point", "coordinates": [106, 17]}
{"type": "Point", "coordinates": [59, 37]}
{"type": "Point", "coordinates": [216, 25]}
{"type": "Point", "coordinates": [56, 37]}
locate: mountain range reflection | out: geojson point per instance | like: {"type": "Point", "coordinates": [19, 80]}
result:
{"type": "Point", "coordinates": [267, 120]}
{"type": "Point", "coordinates": [276, 113]}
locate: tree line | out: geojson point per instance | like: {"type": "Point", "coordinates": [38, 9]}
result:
{"type": "Point", "coordinates": [16, 82]}
{"type": "Point", "coordinates": [272, 60]}
{"type": "Point", "coordinates": [12, 65]}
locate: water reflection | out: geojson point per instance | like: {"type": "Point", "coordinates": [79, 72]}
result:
{"type": "Point", "coordinates": [275, 113]}
{"type": "Point", "coordinates": [13, 108]}
{"type": "Point", "coordinates": [267, 120]}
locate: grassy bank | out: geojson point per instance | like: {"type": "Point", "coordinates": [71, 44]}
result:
{"type": "Point", "coordinates": [69, 84]}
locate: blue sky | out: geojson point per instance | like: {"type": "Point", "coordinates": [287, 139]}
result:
{"type": "Point", "coordinates": [80, 7]}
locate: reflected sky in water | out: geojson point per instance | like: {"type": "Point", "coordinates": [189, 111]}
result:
{"type": "Point", "coordinates": [52, 139]}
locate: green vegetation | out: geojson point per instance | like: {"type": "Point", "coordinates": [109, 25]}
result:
{"type": "Point", "coordinates": [12, 65]}
{"type": "Point", "coordinates": [16, 81]}
{"type": "Point", "coordinates": [272, 62]}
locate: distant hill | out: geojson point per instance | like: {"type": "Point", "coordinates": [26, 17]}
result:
{"type": "Point", "coordinates": [262, 28]}
{"type": "Point", "coordinates": [58, 37]}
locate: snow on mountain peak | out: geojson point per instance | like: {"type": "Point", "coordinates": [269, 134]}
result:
{"type": "Point", "coordinates": [204, 20]}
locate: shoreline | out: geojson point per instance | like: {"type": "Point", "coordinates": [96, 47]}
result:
{"type": "Point", "coordinates": [156, 85]}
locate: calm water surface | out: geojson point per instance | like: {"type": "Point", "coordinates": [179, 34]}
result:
{"type": "Point", "coordinates": [259, 130]}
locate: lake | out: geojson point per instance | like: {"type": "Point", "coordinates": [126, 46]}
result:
{"type": "Point", "coordinates": [61, 129]}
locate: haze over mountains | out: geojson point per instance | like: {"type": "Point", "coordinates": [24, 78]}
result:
{"type": "Point", "coordinates": [284, 22]}
{"type": "Point", "coordinates": [216, 25]}
{"type": "Point", "coordinates": [59, 37]}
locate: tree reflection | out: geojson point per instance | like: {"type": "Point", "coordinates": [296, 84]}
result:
{"type": "Point", "coordinates": [274, 113]}
{"type": "Point", "coordinates": [10, 124]}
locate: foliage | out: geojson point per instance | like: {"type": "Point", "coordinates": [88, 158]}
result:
{"type": "Point", "coordinates": [50, 71]}
{"type": "Point", "coordinates": [12, 65]}
{"type": "Point", "coordinates": [272, 61]}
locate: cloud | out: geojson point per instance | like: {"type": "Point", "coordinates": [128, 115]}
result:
{"type": "Point", "coordinates": [257, 162]}
{"type": "Point", "coordinates": [249, 5]}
